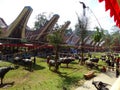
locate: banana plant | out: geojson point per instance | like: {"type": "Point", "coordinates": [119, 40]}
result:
{"type": "Point", "coordinates": [98, 35]}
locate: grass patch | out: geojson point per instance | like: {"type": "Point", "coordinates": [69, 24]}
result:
{"type": "Point", "coordinates": [44, 79]}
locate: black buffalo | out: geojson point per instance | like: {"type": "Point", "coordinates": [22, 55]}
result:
{"type": "Point", "coordinates": [100, 85]}
{"type": "Point", "coordinates": [27, 62]}
{"type": "Point", "coordinates": [3, 71]}
{"type": "Point", "coordinates": [52, 63]}
{"type": "Point", "coordinates": [96, 60]}
{"type": "Point", "coordinates": [66, 60]}
{"type": "Point", "coordinates": [90, 64]}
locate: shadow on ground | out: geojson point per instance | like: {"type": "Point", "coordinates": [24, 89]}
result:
{"type": "Point", "coordinates": [6, 85]}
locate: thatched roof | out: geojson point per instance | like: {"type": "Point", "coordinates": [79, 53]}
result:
{"type": "Point", "coordinates": [3, 23]}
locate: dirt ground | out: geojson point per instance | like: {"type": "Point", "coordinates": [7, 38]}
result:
{"type": "Point", "coordinates": [109, 77]}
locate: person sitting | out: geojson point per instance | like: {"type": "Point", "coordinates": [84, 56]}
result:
{"type": "Point", "coordinates": [103, 69]}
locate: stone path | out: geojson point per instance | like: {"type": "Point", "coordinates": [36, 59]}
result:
{"type": "Point", "coordinates": [108, 77]}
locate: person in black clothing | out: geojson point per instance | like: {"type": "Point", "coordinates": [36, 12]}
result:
{"type": "Point", "coordinates": [117, 72]}
{"type": "Point", "coordinates": [108, 63]}
{"type": "Point", "coordinates": [117, 62]}
{"type": "Point", "coordinates": [112, 65]}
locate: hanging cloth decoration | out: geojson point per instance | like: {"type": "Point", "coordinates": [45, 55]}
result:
{"type": "Point", "coordinates": [113, 6]}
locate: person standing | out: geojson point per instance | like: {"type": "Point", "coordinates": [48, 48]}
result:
{"type": "Point", "coordinates": [117, 72]}
{"type": "Point", "coordinates": [112, 65]}
{"type": "Point", "coordinates": [117, 62]}
{"type": "Point", "coordinates": [48, 59]}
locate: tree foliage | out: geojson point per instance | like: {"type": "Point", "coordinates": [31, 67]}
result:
{"type": "Point", "coordinates": [68, 31]}
{"type": "Point", "coordinates": [81, 27]}
{"type": "Point", "coordinates": [98, 34]}
{"type": "Point", "coordinates": [41, 20]}
{"type": "Point", "coordinates": [55, 38]}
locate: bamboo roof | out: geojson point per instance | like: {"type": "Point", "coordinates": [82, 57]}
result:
{"type": "Point", "coordinates": [18, 26]}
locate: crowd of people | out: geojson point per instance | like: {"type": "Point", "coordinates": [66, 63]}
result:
{"type": "Point", "coordinates": [113, 63]}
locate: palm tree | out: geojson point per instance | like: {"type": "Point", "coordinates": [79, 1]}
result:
{"type": "Point", "coordinates": [55, 39]}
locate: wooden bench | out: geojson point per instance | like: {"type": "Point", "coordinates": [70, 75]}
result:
{"type": "Point", "coordinates": [89, 75]}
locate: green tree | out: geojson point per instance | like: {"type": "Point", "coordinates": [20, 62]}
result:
{"type": "Point", "coordinates": [41, 19]}
{"type": "Point", "coordinates": [98, 35]}
{"type": "Point", "coordinates": [68, 31]}
{"type": "Point", "coordinates": [116, 39]}
{"type": "Point", "coordinates": [108, 41]}
{"type": "Point", "coordinates": [112, 39]}
{"type": "Point", "coordinates": [56, 40]}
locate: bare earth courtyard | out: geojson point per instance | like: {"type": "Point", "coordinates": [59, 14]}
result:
{"type": "Point", "coordinates": [108, 77]}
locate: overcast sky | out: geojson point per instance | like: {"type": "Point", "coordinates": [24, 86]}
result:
{"type": "Point", "coordinates": [10, 9]}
